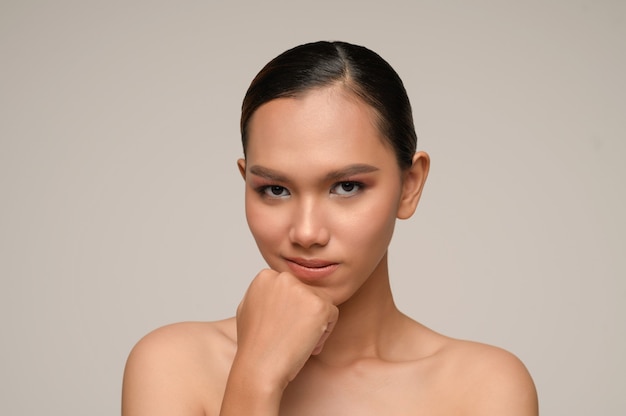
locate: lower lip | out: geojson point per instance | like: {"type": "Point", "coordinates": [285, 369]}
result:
{"type": "Point", "coordinates": [311, 273]}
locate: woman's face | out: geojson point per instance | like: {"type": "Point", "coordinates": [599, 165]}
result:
{"type": "Point", "coordinates": [323, 189]}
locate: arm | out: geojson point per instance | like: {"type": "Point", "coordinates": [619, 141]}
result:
{"type": "Point", "coordinates": [189, 369]}
{"type": "Point", "coordinates": [280, 323]}
{"type": "Point", "coordinates": [247, 394]}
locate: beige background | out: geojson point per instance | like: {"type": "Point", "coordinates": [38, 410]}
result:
{"type": "Point", "coordinates": [121, 206]}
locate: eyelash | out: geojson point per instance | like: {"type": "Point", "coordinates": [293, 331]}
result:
{"type": "Point", "coordinates": [265, 190]}
{"type": "Point", "coordinates": [356, 186]}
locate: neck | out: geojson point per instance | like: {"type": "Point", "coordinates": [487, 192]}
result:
{"type": "Point", "coordinates": [369, 323]}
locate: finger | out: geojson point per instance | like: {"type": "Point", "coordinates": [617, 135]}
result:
{"type": "Point", "coordinates": [240, 307]}
{"type": "Point", "coordinates": [329, 329]}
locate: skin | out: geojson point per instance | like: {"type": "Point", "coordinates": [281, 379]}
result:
{"type": "Point", "coordinates": [318, 331]}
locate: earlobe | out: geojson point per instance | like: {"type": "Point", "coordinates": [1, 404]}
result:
{"type": "Point", "coordinates": [412, 185]}
{"type": "Point", "coordinates": [241, 164]}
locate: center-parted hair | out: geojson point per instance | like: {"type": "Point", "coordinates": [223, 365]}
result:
{"type": "Point", "coordinates": [356, 68]}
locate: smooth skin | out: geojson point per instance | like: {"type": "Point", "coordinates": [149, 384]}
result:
{"type": "Point", "coordinates": [318, 333]}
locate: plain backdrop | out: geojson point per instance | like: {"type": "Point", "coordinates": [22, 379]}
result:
{"type": "Point", "coordinates": [121, 208]}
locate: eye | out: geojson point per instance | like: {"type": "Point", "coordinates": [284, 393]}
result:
{"type": "Point", "coordinates": [274, 191]}
{"type": "Point", "coordinates": [347, 188]}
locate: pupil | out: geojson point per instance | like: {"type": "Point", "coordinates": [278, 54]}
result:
{"type": "Point", "coordinates": [348, 186]}
{"type": "Point", "coordinates": [277, 190]}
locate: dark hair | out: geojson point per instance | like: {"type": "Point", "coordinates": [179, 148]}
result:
{"type": "Point", "coordinates": [360, 70]}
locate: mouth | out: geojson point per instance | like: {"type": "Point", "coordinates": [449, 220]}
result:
{"type": "Point", "coordinates": [311, 269]}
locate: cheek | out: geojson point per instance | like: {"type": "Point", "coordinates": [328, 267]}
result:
{"type": "Point", "coordinates": [381, 225]}
{"type": "Point", "coordinates": [371, 226]}
{"type": "Point", "coordinates": [264, 223]}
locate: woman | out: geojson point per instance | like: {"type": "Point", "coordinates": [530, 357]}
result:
{"type": "Point", "coordinates": [330, 164]}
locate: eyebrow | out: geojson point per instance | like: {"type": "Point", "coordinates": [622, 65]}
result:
{"type": "Point", "coordinates": [350, 170]}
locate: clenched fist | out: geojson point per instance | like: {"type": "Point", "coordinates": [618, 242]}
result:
{"type": "Point", "coordinates": [281, 322]}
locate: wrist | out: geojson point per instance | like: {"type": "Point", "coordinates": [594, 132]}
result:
{"type": "Point", "coordinates": [263, 371]}
{"type": "Point", "coordinates": [252, 390]}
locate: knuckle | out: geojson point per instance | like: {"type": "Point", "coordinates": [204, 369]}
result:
{"type": "Point", "coordinates": [266, 274]}
{"type": "Point", "coordinates": [263, 276]}
{"type": "Point", "coordinates": [318, 305]}
{"type": "Point", "coordinates": [284, 276]}
{"type": "Point", "coordinates": [239, 308]}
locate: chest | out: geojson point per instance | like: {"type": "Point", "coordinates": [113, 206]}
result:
{"type": "Point", "coordinates": [391, 390]}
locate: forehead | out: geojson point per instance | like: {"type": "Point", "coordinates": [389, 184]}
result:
{"type": "Point", "coordinates": [326, 124]}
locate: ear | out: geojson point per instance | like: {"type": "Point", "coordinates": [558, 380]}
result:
{"type": "Point", "coordinates": [413, 180]}
{"type": "Point", "coordinates": [241, 164]}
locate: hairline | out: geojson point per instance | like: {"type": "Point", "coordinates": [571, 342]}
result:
{"type": "Point", "coordinates": [350, 90]}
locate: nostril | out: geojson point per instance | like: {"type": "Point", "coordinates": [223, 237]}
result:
{"type": "Point", "coordinates": [308, 226]}
{"type": "Point", "coordinates": [308, 236]}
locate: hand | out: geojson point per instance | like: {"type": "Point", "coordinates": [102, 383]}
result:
{"type": "Point", "coordinates": [281, 322]}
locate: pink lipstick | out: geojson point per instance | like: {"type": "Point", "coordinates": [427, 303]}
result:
{"type": "Point", "coordinates": [311, 269]}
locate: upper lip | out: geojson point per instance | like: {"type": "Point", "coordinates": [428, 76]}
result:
{"type": "Point", "coordinates": [311, 263]}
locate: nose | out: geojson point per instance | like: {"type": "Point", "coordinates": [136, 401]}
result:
{"type": "Point", "coordinates": [308, 225]}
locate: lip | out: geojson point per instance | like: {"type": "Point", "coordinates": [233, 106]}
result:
{"type": "Point", "coordinates": [311, 269]}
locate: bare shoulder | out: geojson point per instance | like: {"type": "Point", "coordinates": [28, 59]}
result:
{"type": "Point", "coordinates": [490, 380]}
{"type": "Point", "coordinates": [179, 369]}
